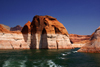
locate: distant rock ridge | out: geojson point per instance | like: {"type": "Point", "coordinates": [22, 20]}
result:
{"type": "Point", "coordinates": [3, 29]}
{"type": "Point", "coordinates": [78, 38]}
{"type": "Point", "coordinates": [93, 46]}
{"type": "Point", "coordinates": [16, 28]}
{"type": "Point", "coordinates": [5, 26]}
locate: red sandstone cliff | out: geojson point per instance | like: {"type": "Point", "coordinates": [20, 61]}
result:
{"type": "Point", "coordinates": [5, 26]}
{"type": "Point", "coordinates": [74, 38]}
{"type": "Point", "coordinates": [11, 39]}
{"type": "Point", "coordinates": [48, 23]}
{"type": "Point", "coordinates": [26, 32]}
{"type": "Point", "coordinates": [93, 46]}
{"type": "Point", "coordinates": [48, 32]}
{"type": "Point", "coordinates": [44, 32]}
{"type": "Point", "coordinates": [27, 28]}
{"type": "Point", "coordinates": [3, 30]}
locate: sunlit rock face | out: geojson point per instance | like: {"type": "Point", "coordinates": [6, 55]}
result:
{"type": "Point", "coordinates": [11, 40]}
{"type": "Point", "coordinates": [5, 26]}
{"type": "Point", "coordinates": [48, 32]}
{"type": "Point", "coordinates": [45, 32]}
{"type": "Point", "coordinates": [79, 40]}
{"type": "Point", "coordinates": [93, 46]}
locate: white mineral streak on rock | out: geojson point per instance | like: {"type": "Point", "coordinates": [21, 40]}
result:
{"type": "Point", "coordinates": [13, 41]}
{"type": "Point", "coordinates": [51, 41]}
{"type": "Point", "coordinates": [44, 32]}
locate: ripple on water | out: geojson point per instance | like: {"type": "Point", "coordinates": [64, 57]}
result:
{"type": "Point", "coordinates": [63, 54]}
{"type": "Point", "coordinates": [52, 64]}
{"type": "Point", "coordinates": [45, 63]}
{"type": "Point", "coordinates": [61, 58]}
{"type": "Point", "coordinates": [14, 63]}
{"type": "Point", "coordinates": [74, 51]}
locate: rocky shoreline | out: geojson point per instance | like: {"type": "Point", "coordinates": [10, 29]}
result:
{"type": "Point", "coordinates": [46, 32]}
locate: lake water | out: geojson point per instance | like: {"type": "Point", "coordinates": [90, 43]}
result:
{"type": "Point", "coordinates": [48, 58]}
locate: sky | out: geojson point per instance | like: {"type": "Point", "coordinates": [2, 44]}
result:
{"type": "Point", "coordinates": [78, 16]}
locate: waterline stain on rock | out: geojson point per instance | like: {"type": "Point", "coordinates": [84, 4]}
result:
{"type": "Point", "coordinates": [45, 32]}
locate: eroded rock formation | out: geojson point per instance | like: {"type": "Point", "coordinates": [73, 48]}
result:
{"type": "Point", "coordinates": [93, 46]}
{"type": "Point", "coordinates": [48, 32]}
{"type": "Point", "coordinates": [11, 39]}
{"type": "Point", "coordinates": [26, 32]}
{"type": "Point", "coordinates": [44, 32]}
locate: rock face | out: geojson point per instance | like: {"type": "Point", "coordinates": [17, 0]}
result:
{"type": "Point", "coordinates": [49, 33]}
{"type": "Point", "coordinates": [26, 32]}
{"type": "Point", "coordinates": [93, 46]}
{"type": "Point", "coordinates": [3, 30]}
{"type": "Point", "coordinates": [79, 40]}
{"type": "Point", "coordinates": [11, 40]}
{"type": "Point", "coordinates": [45, 32]}
{"type": "Point", "coordinates": [16, 28]}
{"type": "Point", "coordinates": [5, 26]}
{"type": "Point", "coordinates": [27, 28]}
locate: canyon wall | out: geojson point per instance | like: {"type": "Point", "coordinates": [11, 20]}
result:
{"type": "Point", "coordinates": [79, 40]}
{"type": "Point", "coordinates": [45, 32]}
{"type": "Point", "coordinates": [5, 26]}
{"type": "Point", "coordinates": [74, 38]}
{"type": "Point", "coordinates": [48, 32]}
{"type": "Point", "coordinates": [11, 40]}
{"type": "Point", "coordinates": [93, 46]}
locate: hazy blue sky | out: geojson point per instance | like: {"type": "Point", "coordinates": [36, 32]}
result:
{"type": "Point", "coordinates": [78, 16]}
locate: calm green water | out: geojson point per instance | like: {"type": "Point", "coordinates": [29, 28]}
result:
{"type": "Point", "coordinates": [48, 58]}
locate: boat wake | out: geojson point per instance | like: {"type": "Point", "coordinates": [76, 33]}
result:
{"type": "Point", "coordinates": [14, 63]}
{"type": "Point", "coordinates": [43, 62]}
